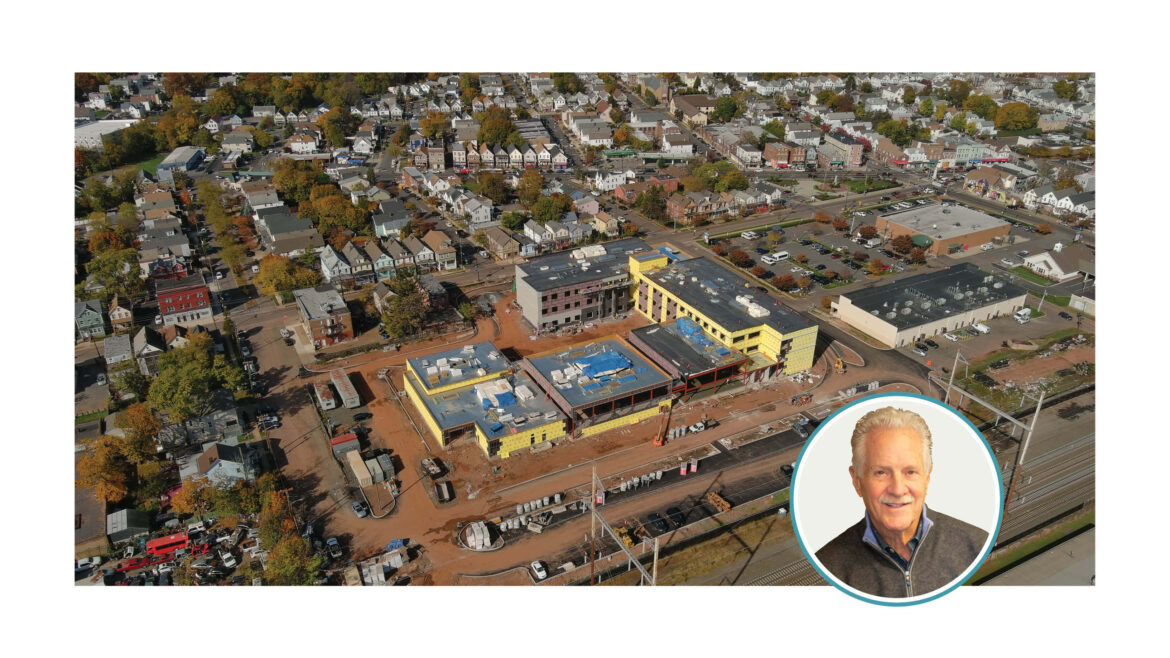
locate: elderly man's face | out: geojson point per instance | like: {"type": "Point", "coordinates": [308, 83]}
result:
{"type": "Point", "coordinates": [893, 482]}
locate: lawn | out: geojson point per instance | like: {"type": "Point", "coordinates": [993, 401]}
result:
{"type": "Point", "coordinates": [95, 415]}
{"type": "Point", "coordinates": [861, 186]}
{"type": "Point", "coordinates": [1025, 273]}
{"type": "Point", "coordinates": [823, 196]}
{"type": "Point", "coordinates": [1035, 545]}
{"type": "Point", "coordinates": [782, 181]}
{"type": "Point", "coordinates": [151, 166]}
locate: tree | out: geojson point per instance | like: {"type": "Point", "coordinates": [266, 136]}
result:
{"type": "Point", "coordinates": [839, 224]}
{"type": "Point", "coordinates": [981, 105]}
{"type": "Point", "coordinates": [786, 282]}
{"type": "Point", "coordinates": [495, 126]}
{"type": "Point", "coordinates": [959, 122]}
{"type": "Point", "coordinates": [758, 271]}
{"type": "Point", "coordinates": [529, 188]}
{"type": "Point", "coordinates": [801, 258]}
{"type": "Point", "coordinates": [866, 87]}
{"type": "Point", "coordinates": [104, 468]}
{"type": "Point", "coordinates": [1043, 229]}
{"type": "Point", "coordinates": [651, 203]}
{"type": "Point", "coordinates": [294, 179]}
{"type": "Point", "coordinates": [1066, 89]}
{"type": "Point", "coordinates": [118, 272]}
{"type": "Point", "coordinates": [842, 103]}
{"type": "Point", "coordinates": [940, 111]}
{"type": "Point", "coordinates": [725, 109]}
{"type": "Point", "coordinates": [926, 106]}
{"type": "Point", "coordinates": [867, 232]}
{"type": "Point", "coordinates": [279, 274]}
{"type": "Point", "coordinates": [432, 125]}
{"type": "Point", "coordinates": [551, 208]}
{"type": "Point", "coordinates": [718, 249]}
{"type": "Point", "coordinates": [776, 128]}
{"type": "Point", "coordinates": [630, 229]}
{"type": "Point", "coordinates": [491, 185]}
{"type": "Point", "coordinates": [902, 243]}
{"type": "Point", "coordinates": [908, 95]}
{"type": "Point", "coordinates": [186, 380]}
{"type": "Point", "coordinates": [132, 380]}
{"type": "Point", "coordinates": [650, 98]}
{"type": "Point", "coordinates": [917, 255]}
{"type": "Point", "coordinates": [739, 258]}
{"type": "Point", "coordinates": [876, 266]}
{"type": "Point", "coordinates": [804, 282]}
{"type": "Point", "coordinates": [1016, 116]}
{"type": "Point", "coordinates": [827, 302]}
{"type": "Point", "coordinates": [860, 256]}
{"type": "Point", "coordinates": [262, 137]}
{"type": "Point", "coordinates": [958, 92]}
{"type": "Point", "coordinates": [822, 217]}
{"type": "Point", "coordinates": [467, 311]}
{"type": "Point", "coordinates": [141, 426]}
{"type": "Point", "coordinates": [513, 221]}
{"type": "Point", "coordinates": [292, 562]}
{"type": "Point", "coordinates": [194, 497]}
{"type": "Point", "coordinates": [830, 274]}
{"type": "Point", "coordinates": [825, 96]}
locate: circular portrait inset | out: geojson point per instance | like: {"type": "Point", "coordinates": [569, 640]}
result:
{"type": "Point", "coordinates": [896, 499]}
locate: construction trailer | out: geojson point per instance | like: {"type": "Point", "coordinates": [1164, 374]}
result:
{"type": "Point", "coordinates": [345, 388]}
{"type": "Point", "coordinates": [358, 466]}
{"type": "Point", "coordinates": [325, 396]}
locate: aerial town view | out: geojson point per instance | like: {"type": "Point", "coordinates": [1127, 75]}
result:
{"type": "Point", "coordinates": [551, 328]}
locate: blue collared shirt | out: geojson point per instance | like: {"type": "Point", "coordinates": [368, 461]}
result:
{"type": "Point", "coordinates": [872, 538]}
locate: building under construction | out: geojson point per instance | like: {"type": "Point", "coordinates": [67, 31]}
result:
{"type": "Point", "coordinates": [601, 385]}
{"type": "Point", "coordinates": [695, 361]}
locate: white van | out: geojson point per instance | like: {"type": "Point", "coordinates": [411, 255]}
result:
{"type": "Point", "coordinates": [780, 255]}
{"type": "Point", "coordinates": [981, 328]}
{"type": "Point", "coordinates": [770, 259]}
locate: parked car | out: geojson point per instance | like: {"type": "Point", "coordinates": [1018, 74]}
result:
{"type": "Point", "coordinates": [363, 416]}
{"type": "Point", "coordinates": [334, 547]}
{"type": "Point", "coordinates": [658, 522]}
{"type": "Point", "coordinates": [800, 430]}
{"type": "Point", "coordinates": [676, 516]}
{"type": "Point", "coordinates": [539, 571]}
{"type": "Point", "coordinates": [821, 266]}
{"type": "Point", "coordinates": [951, 337]}
{"type": "Point", "coordinates": [359, 509]}
{"type": "Point", "coordinates": [1065, 315]}
{"type": "Point", "coordinates": [920, 351]}
{"type": "Point", "coordinates": [245, 349]}
{"type": "Point", "coordinates": [697, 427]}
{"type": "Point", "coordinates": [228, 559]}
{"type": "Point", "coordinates": [931, 344]}
{"type": "Point", "coordinates": [218, 275]}
{"type": "Point", "coordinates": [101, 379]}
{"type": "Point", "coordinates": [987, 246]}
{"type": "Point", "coordinates": [749, 235]}
{"type": "Point", "coordinates": [761, 251]}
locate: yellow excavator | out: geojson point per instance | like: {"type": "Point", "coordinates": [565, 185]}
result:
{"type": "Point", "coordinates": [839, 365]}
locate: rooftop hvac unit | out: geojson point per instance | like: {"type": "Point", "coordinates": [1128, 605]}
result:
{"type": "Point", "coordinates": [925, 305]}
{"type": "Point", "coordinates": [908, 302]}
{"type": "Point", "coordinates": [493, 355]}
{"type": "Point", "coordinates": [442, 363]}
{"type": "Point", "coordinates": [957, 296]}
{"type": "Point", "coordinates": [694, 279]}
{"type": "Point", "coordinates": [906, 311]}
{"type": "Point", "coordinates": [891, 315]}
{"type": "Point", "coordinates": [998, 284]}
{"type": "Point", "coordinates": [874, 312]}
{"type": "Point", "coordinates": [983, 290]}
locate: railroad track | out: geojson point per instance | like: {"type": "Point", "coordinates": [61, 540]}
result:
{"type": "Point", "coordinates": [795, 574]}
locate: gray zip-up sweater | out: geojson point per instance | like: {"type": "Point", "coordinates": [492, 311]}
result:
{"type": "Point", "coordinates": [949, 547]}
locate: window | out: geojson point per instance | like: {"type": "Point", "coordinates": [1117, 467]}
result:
{"type": "Point", "coordinates": [754, 334]}
{"type": "Point", "coordinates": [737, 339]}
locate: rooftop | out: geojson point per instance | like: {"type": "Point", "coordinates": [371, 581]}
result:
{"type": "Point", "coordinates": [687, 346]}
{"type": "Point", "coordinates": [589, 373]}
{"type": "Point", "coordinates": [164, 285]}
{"type": "Point", "coordinates": [944, 222]}
{"type": "Point", "coordinates": [459, 364]}
{"type": "Point", "coordinates": [725, 297]}
{"type": "Point", "coordinates": [933, 296]}
{"type": "Point", "coordinates": [180, 156]}
{"type": "Point", "coordinates": [319, 302]}
{"type": "Point", "coordinates": [566, 268]}
{"type": "Point", "coordinates": [499, 407]}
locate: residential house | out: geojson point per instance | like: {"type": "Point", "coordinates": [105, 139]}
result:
{"type": "Point", "coordinates": [146, 347]}
{"type": "Point", "coordinates": [400, 255]}
{"type": "Point", "coordinates": [479, 213]}
{"type": "Point", "coordinates": [391, 218]}
{"type": "Point", "coordinates": [1063, 263]}
{"type": "Point", "coordinates": [220, 422]}
{"type": "Point", "coordinates": [224, 465]}
{"type": "Point", "coordinates": [541, 235]}
{"type": "Point", "coordinates": [116, 349]}
{"type": "Point", "coordinates": [382, 262]}
{"type": "Point", "coordinates": [121, 315]}
{"type": "Point", "coordinates": [446, 255]}
{"type": "Point", "coordinates": [89, 319]}
{"type": "Point", "coordinates": [424, 256]}
{"type": "Point", "coordinates": [324, 315]}
{"type": "Point", "coordinates": [334, 267]}
{"type": "Point", "coordinates": [433, 293]}
{"type": "Point", "coordinates": [302, 143]}
{"type": "Point", "coordinates": [360, 264]}
{"type": "Point", "coordinates": [500, 243]}
{"type": "Point", "coordinates": [606, 224]}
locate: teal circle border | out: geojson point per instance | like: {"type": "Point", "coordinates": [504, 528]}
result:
{"type": "Point", "coordinates": [832, 579]}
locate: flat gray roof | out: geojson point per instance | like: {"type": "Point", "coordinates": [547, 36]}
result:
{"type": "Point", "coordinates": [934, 296]}
{"type": "Point", "coordinates": [944, 222]}
{"type": "Point", "coordinates": [459, 364]}
{"type": "Point", "coordinates": [464, 406]}
{"type": "Point", "coordinates": [598, 371]}
{"type": "Point", "coordinates": [318, 302]}
{"type": "Point", "coordinates": [691, 351]}
{"type": "Point", "coordinates": [180, 156]}
{"type": "Point", "coordinates": [712, 291]}
{"type": "Point", "coordinates": [562, 268]}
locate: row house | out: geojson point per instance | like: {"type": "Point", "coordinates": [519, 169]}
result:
{"type": "Point", "coordinates": [324, 315]}
{"type": "Point", "coordinates": [334, 267]}
{"type": "Point", "coordinates": [183, 300]}
{"type": "Point", "coordinates": [424, 256]}
{"type": "Point", "coordinates": [360, 263]}
{"type": "Point", "coordinates": [446, 256]}
{"type": "Point", "coordinates": [500, 243]}
{"type": "Point", "coordinates": [780, 155]}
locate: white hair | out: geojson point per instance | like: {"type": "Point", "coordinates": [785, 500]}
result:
{"type": "Point", "coordinates": [888, 418]}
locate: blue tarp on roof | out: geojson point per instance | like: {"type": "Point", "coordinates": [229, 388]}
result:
{"type": "Point", "coordinates": [505, 399]}
{"type": "Point", "coordinates": [627, 378]}
{"type": "Point", "coordinates": [723, 351]}
{"type": "Point", "coordinates": [602, 364]}
{"type": "Point", "coordinates": [487, 404]}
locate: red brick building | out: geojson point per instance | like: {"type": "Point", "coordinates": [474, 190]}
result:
{"type": "Point", "coordinates": [183, 300]}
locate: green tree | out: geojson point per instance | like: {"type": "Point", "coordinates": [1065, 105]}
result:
{"type": "Point", "coordinates": [825, 96]}
{"type": "Point", "coordinates": [432, 125]}
{"type": "Point", "coordinates": [776, 128]}
{"type": "Point", "coordinates": [926, 107]}
{"type": "Point", "coordinates": [513, 221]}
{"type": "Point", "coordinates": [651, 203]}
{"type": "Point", "coordinates": [959, 122]}
{"type": "Point", "coordinates": [866, 87]}
{"type": "Point", "coordinates": [292, 562]}
{"type": "Point", "coordinates": [551, 208]}
{"type": "Point", "coordinates": [186, 380]}
{"type": "Point", "coordinates": [467, 311]}
{"type": "Point", "coordinates": [981, 105]}
{"type": "Point", "coordinates": [908, 95]}
{"type": "Point", "coordinates": [957, 92]}
{"type": "Point", "coordinates": [118, 272]}
{"type": "Point", "coordinates": [133, 381]}
{"type": "Point", "coordinates": [1066, 89]}
{"type": "Point", "coordinates": [495, 126]}
{"type": "Point", "coordinates": [940, 111]}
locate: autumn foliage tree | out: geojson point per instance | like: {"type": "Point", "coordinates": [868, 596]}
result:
{"type": "Point", "coordinates": [902, 244]}
{"type": "Point", "coordinates": [279, 274]}
{"type": "Point", "coordinates": [739, 258]}
{"type": "Point", "coordinates": [839, 224]}
{"type": "Point", "coordinates": [876, 266]}
{"type": "Point", "coordinates": [529, 188]}
{"type": "Point", "coordinates": [867, 232]}
{"type": "Point", "coordinates": [801, 258]}
{"type": "Point", "coordinates": [141, 427]}
{"type": "Point", "coordinates": [917, 255]}
{"type": "Point", "coordinates": [758, 271]}
{"type": "Point", "coordinates": [785, 282]}
{"type": "Point", "coordinates": [1043, 229]}
{"type": "Point", "coordinates": [104, 468]}
{"type": "Point", "coordinates": [822, 217]}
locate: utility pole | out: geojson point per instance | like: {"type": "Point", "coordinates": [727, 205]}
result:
{"type": "Point", "coordinates": [592, 526]}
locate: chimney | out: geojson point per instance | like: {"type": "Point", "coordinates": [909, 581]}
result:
{"type": "Point", "coordinates": [1057, 247]}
